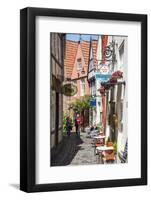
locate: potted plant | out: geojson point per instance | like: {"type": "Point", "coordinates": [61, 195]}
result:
{"type": "Point", "coordinates": [109, 143]}
{"type": "Point", "coordinates": [115, 147]}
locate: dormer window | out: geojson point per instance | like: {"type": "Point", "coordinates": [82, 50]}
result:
{"type": "Point", "coordinates": [79, 64]}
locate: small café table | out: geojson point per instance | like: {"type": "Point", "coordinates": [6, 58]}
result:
{"type": "Point", "coordinates": [105, 148]}
{"type": "Point", "coordinates": [99, 137]}
{"type": "Point", "coordinates": [100, 149]}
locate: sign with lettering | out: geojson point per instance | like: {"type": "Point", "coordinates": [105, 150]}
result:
{"type": "Point", "coordinates": [102, 77]}
{"type": "Point", "coordinates": [104, 73]}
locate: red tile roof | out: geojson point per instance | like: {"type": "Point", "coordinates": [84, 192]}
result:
{"type": "Point", "coordinates": [70, 54]}
{"type": "Point", "coordinates": [85, 45]}
{"type": "Point", "coordinates": [104, 43]}
{"type": "Point", "coordinates": [94, 49]}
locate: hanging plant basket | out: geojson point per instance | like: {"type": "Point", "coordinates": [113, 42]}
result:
{"type": "Point", "coordinates": [117, 74]}
{"type": "Point", "coordinates": [113, 80]}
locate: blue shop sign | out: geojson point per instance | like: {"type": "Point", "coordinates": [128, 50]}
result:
{"type": "Point", "coordinates": [93, 102]}
{"type": "Point", "coordinates": [102, 77]}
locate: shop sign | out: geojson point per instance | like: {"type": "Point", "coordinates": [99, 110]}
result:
{"type": "Point", "coordinates": [103, 74]}
{"type": "Point", "coordinates": [104, 69]}
{"type": "Point", "coordinates": [69, 89]}
{"type": "Point", "coordinates": [102, 77]}
{"type": "Point", "coordinates": [93, 102]}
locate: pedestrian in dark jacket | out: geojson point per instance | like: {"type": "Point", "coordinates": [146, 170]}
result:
{"type": "Point", "coordinates": [68, 126]}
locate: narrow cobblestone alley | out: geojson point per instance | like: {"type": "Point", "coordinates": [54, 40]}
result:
{"type": "Point", "coordinates": [74, 151]}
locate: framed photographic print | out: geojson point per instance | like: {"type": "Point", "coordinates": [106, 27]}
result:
{"type": "Point", "coordinates": [83, 99]}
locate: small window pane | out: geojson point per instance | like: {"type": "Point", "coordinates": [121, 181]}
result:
{"type": "Point", "coordinates": [79, 64]}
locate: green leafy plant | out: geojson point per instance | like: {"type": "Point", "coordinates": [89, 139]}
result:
{"type": "Point", "coordinates": [64, 122]}
{"type": "Point", "coordinates": [115, 147]}
{"type": "Point", "coordinates": [81, 104]}
{"type": "Point", "coordinates": [100, 127]}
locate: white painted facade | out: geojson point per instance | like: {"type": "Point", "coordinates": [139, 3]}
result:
{"type": "Point", "coordinates": [120, 92]}
{"type": "Point", "coordinates": [94, 86]}
{"type": "Point", "coordinates": [122, 64]}
{"type": "Point", "coordinates": [98, 84]}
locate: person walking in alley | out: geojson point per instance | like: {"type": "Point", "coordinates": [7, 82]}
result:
{"type": "Point", "coordinates": [78, 124]}
{"type": "Point", "coordinates": [68, 126]}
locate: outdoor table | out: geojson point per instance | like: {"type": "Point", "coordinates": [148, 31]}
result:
{"type": "Point", "coordinates": [104, 148]}
{"type": "Point", "coordinates": [99, 137]}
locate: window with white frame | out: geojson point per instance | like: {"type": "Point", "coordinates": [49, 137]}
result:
{"type": "Point", "coordinates": [93, 87]}
{"type": "Point", "coordinates": [79, 64]}
{"type": "Point", "coordinates": [82, 87]}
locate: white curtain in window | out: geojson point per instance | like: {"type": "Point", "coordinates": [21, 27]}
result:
{"type": "Point", "coordinates": [82, 87]}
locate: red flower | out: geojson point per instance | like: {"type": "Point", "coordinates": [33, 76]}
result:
{"type": "Point", "coordinates": [117, 74]}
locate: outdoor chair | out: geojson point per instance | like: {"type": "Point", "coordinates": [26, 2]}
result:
{"type": "Point", "coordinates": [107, 156]}
{"type": "Point", "coordinates": [98, 143]}
{"type": "Point", "coordinates": [94, 133]}
{"type": "Point", "coordinates": [87, 130]}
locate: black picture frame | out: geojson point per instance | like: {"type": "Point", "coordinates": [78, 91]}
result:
{"type": "Point", "coordinates": [28, 98]}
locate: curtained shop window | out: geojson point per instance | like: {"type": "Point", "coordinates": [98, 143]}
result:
{"type": "Point", "coordinates": [92, 87]}
{"type": "Point", "coordinates": [53, 110]}
{"type": "Point", "coordinates": [120, 107]}
{"type": "Point", "coordinates": [60, 110]}
{"type": "Point", "coordinates": [121, 55]}
{"type": "Point", "coordinates": [121, 117]}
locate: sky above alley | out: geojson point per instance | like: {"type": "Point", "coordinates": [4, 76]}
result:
{"type": "Point", "coordinates": [76, 37]}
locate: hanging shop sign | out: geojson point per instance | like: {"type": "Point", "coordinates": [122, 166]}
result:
{"type": "Point", "coordinates": [102, 77]}
{"type": "Point", "coordinates": [104, 69]}
{"type": "Point", "coordinates": [103, 74]}
{"type": "Point", "coordinates": [69, 89]}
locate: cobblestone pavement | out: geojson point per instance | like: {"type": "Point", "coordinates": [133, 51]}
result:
{"type": "Point", "coordinates": [75, 151]}
{"type": "Point", "coordinates": [85, 155]}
